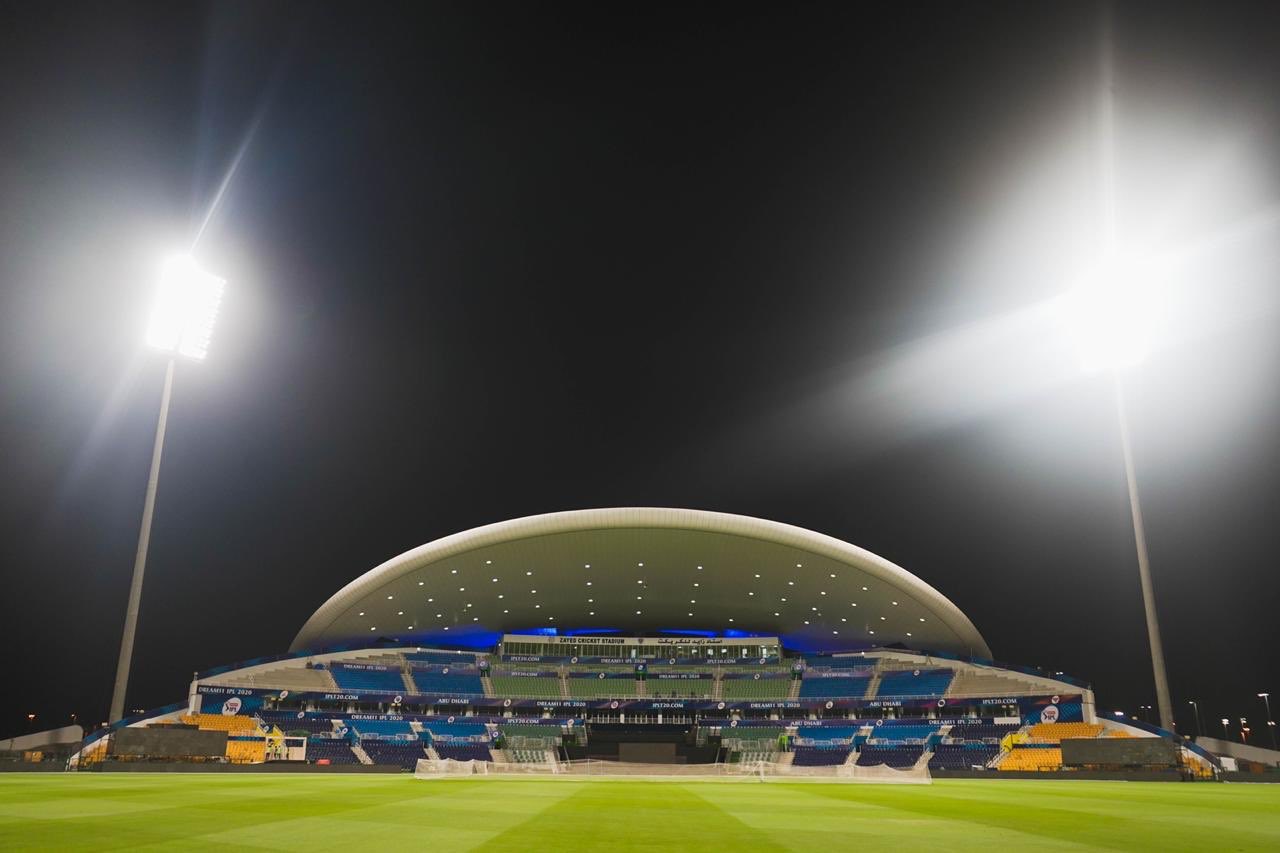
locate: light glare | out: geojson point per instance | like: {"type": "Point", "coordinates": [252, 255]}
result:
{"type": "Point", "coordinates": [185, 309]}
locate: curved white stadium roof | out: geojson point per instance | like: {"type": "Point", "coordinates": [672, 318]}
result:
{"type": "Point", "coordinates": [642, 571]}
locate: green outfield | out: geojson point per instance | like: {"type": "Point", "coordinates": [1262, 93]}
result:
{"type": "Point", "coordinates": [357, 813]}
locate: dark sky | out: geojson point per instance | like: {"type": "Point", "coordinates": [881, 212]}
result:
{"type": "Point", "coordinates": [487, 261]}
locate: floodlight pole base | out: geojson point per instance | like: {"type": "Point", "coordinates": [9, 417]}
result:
{"type": "Point", "coordinates": [140, 560]}
{"type": "Point", "coordinates": [1144, 568]}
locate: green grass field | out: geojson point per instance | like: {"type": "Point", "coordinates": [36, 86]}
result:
{"type": "Point", "coordinates": [358, 813]}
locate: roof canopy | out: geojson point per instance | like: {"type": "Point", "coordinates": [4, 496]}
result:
{"type": "Point", "coordinates": [642, 571]}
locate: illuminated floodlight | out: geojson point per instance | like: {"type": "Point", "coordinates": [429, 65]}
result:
{"type": "Point", "coordinates": [1115, 312]}
{"type": "Point", "coordinates": [186, 308]}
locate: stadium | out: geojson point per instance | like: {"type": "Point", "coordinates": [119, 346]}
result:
{"type": "Point", "coordinates": [643, 641]}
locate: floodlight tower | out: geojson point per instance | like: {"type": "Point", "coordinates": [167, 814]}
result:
{"type": "Point", "coordinates": [181, 324]}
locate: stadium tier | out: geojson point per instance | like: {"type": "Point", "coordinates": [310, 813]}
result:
{"type": "Point", "coordinates": [932, 682]}
{"type": "Point", "coordinates": [369, 677]}
{"type": "Point", "coordinates": [395, 753]}
{"type": "Point", "coordinates": [835, 685]}
{"type": "Point", "coordinates": [820, 756]}
{"type": "Point", "coordinates": [893, 756]}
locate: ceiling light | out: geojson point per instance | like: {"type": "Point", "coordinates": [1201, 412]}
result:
{"type": "Point", "coordinates": [373, 628]}
{"type": "Point", "coordinates": [751, 593]}
{"type": "Point", "coordinates": [757, 574]}
{"type": "Point", "coordinates": [641, 565]}
{"type": "Point", "coordinates": [853, 604]}
{"type": "Point", "coordinates": [389, 597]}
{"type": "Point", "coordinates": [921, 618]}
{"type": "Point", "coordinates": [446, 627]}
{"type": "Point", "coordinates": [495, 580]}
{"type": "Point", "coordinates": [429, 600]}
{"type": "Point", "coordinates": [399, 612]}
{"type": "Point", "coordinates": [438, 615]}
{"type": "Point", "coordinates": [420, 583]}
{"type": "Point", "coordinates": [776, 613]}
{"type": "Point", "coordinates": [881, 618]}
{"type": "Point", "coordinates": [488, 562]}
{"type": "Point", "coordinates": [506, 611]}
{"type": "Point", "coordinates": [895, 604]}
{"type": "Point", "coordinates": [908, 633]}
{"type": "Point", "coordinates": [588, 583]}
{"type": "Point", "coordinates": [528, 573]}
{"type": "Point", "coordinates": [361, 613]}
{"type": "Point", "coordinates": [806, 621]}
{"type": "Point", "coordinates": [799, 566]}
{"type": "Point", "coordinates": [871, 632]}
{"type": "Point", "coordinates": [453, 571]}
{"type": "Point", "coordinates": [537, 607]}
{"type": "Point", "coordinates": [637, 612]}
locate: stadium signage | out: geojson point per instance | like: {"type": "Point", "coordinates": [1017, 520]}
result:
{"type": "Point", "coordinates": [884, 703]}
{"type": "Point", "coordinates": [1004, 700]}
{"type": "Point", "coordinates": [355, 697]}
{"type": "Point", "coordinates": [377, 667]}
{"type": "Point", "coordinates": [227, 691]}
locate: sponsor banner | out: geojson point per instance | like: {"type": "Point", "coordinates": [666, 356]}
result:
{"type": "Point", "coordinates": [678, 676]}
{"type": "Point", "coordinates": [376, 667]}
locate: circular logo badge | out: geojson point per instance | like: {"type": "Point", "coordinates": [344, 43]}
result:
{"type": "Point", "coordinates": [445, 671]}
{"type": "Point", "coordinates": [284, 693]}
{"type": "Point", "coordinates": [879, 722]}
{"type": "Point", "coordinates": [830, 704]}
{"type": "Point", "coordinates": [302, 714]}
{"type": "Point", "coordinates": [1049, 714]}
{"type": "Point", "coordinates": [573, 659]}
{"type": "Point", "coordinates": [720, 706]}
{"type": "Point", "coordinates": [450, 719]}
{"type": "Point", "coordinates": [915, 672]}
{"type": "Point", "coordinates": [613, 704]}
{"type": "Point", "coordinates": [1053, 699]}
{"type": "Point", "coordinates": [756, 676]}
{"type": "Point", "coordinates": [601, 675]}
{"type": "Point", "coordinates": [733, 724]}
{"type": "Point", "coordinates": [231, 707]}
{"type": "Point", "coordinates": [671, 661]}
{"type": "Point", "coordinates": [506, 703]}
{"type": "Point", "coordinates": [397, 700]}
{"type": "Point", "coordinates": [942, 702]}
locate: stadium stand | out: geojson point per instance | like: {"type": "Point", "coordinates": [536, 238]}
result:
{"type": "Point", "coordinates": [929, 682]}
{"type": "Point", "coordinates": [333, 751]}
{"type": "Point", "coordinates": [990, 732]}
{"type": "Point", "coordinates": [296, 679]}
{"type": "Point", "coordinates": [750, 687]}
{"type": "Point", "coordinates": [1030, 757]}
{"type": "Point", "coordinates": [247, 750]}
{"type": "Point", "coordinates": [526, 684]}
{"type": "Point", "coordinates": [444, 730]}
{"type": "Point", "coordinates": [453, 683]}
{"type": "Point", "coordinates": [291, 722]}
{"type": "Point", "coordinates": [460, 751]}
{"type": "Point", "coordinates": [902, 732]}
{"type": "Point", "coordinates": [814, 686]}
{"type": "Point", "coordinates": [403, 754]}
{"type": "Point", "coordinates": [232, 725]}
{"type": "Point", "coordinates": [427, 656]}
{"type": "Point", "coordinates": [364, 677]}
{"type": "Point", "coordinates": [965, 756]}
{"type": "Point", "coordinates": [820, 756]}
{"type": "Point", "coordinates": [894, 756]}
{"type": "Point", "coordinates": [1055, 732]}
{"type": "Point", "coordinates": [381, 728]}
{"type": "Point", "coordinates": [978, 683]}
{"type": "Point", "coordinates": [586, 685]}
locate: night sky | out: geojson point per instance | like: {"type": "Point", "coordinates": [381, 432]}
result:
{"type": "Point", "coordinates": [488, 261]}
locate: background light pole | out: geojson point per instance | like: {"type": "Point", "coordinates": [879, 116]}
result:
{"type": "Point", "coordinates": [1196, 709]}
{"type": "Point", "coordinates": [181, 324]}
{"type": "Point", "coordinates": [1226, 732]}
{"type": "Point", "coordinates": [1271, 724]}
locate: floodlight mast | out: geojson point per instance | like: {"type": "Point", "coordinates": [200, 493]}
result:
{"type": "Point", "coordinates": [181, 324]}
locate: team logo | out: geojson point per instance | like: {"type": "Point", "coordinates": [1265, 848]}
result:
{"type": "Point", "coordinates": [671, 661]}
{"type": "Point", "coordinates": [942, 702]}
{"type": "Point", "coordinates": [915, 672]}
{"type": "Point", "coordinates": [602, 675]}
{"type": "Point", "coordinates": [445, 671]}
{"type": "Point", "coordinates": [450, 719]}
{"type": "Point", "coordinates": [1049, 714]}
{"type": "Point", "coordinates": [764, 660]}
{"type": "Point", "coordinates": [506, 703]}
{"type": "Point", "coordinates": [397, 700]}
{"type": "Point", "coordinates": [302, 714]}
{"type": "Point", "coordinates": [756, 676]}
{"type": "Point", "coordinates": [284, 693]}
{"type": "Point", "coordinates": [720, 706]}
{"type": "Point", "coordinates": [879, 722]}
{"type": "Point", "coordinates": [573, 659]}
{"type": "Point", "coordinates": [733, 724]}
{"type": "Point", "coordinates": [231, 707]}
{"type": "Point", "coordinates": [613, 704]}
{"type": "Point", "coordinates": [830, 704]}
{"type": "Point", "coordinates": [1053, 699]}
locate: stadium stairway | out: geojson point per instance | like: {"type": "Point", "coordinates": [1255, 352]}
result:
{"type": "Point", "coordinates": [873, 687]}
{"type": "Point", "coordinates": [794, 692]}
{"type": "Point", "coordinates": [361, 754]}
{"type": "Point", "coordinates": [487, 684]}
